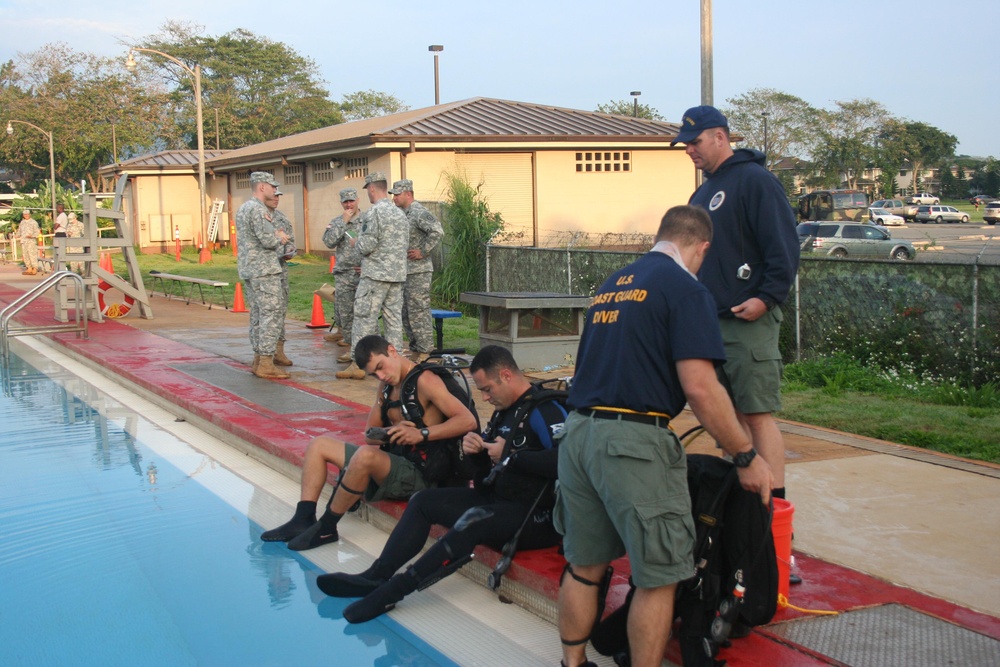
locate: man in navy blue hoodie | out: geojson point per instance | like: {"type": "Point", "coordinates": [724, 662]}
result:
{"type": "Point", "coordinates": [749, 269]}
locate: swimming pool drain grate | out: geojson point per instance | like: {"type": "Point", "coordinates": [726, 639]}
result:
{"type": "Point", "coordinates": [890, 635]}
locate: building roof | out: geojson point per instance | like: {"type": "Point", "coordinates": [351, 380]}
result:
{"type": "Point", "coordinates": [478, 119]}
{"type": "Point", "coordinates": [181, 160]}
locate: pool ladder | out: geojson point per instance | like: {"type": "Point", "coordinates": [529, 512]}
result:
{"type": "Point", "coordinates": [80, 325]}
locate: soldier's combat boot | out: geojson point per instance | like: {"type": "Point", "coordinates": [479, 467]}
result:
{"type": "Point", "coordinates": [333, 336]}
{"type": "Point", "coordinates": [352, 372]}
{"type": "Point", "coordinates": [256, 362]}
{"type": "Point", "coordinates": [267, 369]}
{"type": "Point", "coordinates": [279, 355]}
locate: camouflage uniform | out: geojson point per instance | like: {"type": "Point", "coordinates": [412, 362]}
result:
{"type": "Point", "coordinates": [28, 232]}
{"type": "Point", "coordinates": [337, 237]}
{"type": "Point", "coordinates": [257, 261]}
{"type": "Point", "coordinates": [74, 230]}
{"type": "Point", "coordinates": [285, 252]}
{"type": "Point", "coordinates": [425, 234]}
{"type": "Point", "coordinates": [382, 244]}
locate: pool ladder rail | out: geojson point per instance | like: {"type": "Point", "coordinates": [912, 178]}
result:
{"type": "Point", "coordinates": [79, 324]}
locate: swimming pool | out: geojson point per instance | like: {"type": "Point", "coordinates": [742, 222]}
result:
{"type": "Point", "coordinates": [128, 536]}
{"type": "Point", "coordinates": [117, 548]}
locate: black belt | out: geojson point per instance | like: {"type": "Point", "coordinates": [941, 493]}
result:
{"type": "Point", "coordinates": [652, 420]}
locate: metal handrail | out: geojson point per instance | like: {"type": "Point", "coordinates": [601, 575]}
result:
{"type": "Point", "coordinates": [16, 306]}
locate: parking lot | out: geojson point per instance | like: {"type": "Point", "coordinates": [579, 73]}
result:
{"type": "Point", "coordinates": [952, 242]}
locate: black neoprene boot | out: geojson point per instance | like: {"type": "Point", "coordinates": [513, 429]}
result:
{"type": "Point", "coordinates": [305, 516]}
{"type": "Point", "coordinates": [322, 532]}
{"type": "Point", "coordinates": [383, 598]}
{"type": "Point", "coordinates": [344, 585]}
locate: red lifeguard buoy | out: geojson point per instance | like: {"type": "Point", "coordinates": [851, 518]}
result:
{"type": "Point", "coordinates": [112, 310]}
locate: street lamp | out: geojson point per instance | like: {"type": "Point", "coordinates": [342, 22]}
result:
{"type": "Point", "coordinates": [635, 102]}
{"type": "Point", "coordinates": [205, 255]}
{"type": "Point", "coordinates": [764, 115]}
{"type": "Point", "coordinates": [436, 49]}
{"type": "Point", "coordinates": [52, 160]}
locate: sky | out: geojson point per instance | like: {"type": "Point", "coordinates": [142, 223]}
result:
{"type": "Point", "coordinates": [932, 62]}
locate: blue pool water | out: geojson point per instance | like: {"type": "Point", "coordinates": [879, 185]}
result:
{"type": "Point", "coordinates": [112, 555]}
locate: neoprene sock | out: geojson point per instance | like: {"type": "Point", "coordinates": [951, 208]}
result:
{"type": "Point", "coordinates": [343, 585]}
{"type": "Point", "coordinates": [305, 516]}
{"type": "Point", "coordinates": [322, 532]}
{"type": "Point", "coordinates": [382, 599]}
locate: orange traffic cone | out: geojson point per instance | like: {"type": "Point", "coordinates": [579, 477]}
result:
{"type": "Point", "coordinates": [318, 318]}
{"type": "Point", "coordinates": [238, 305]}
{"type": "Point", "coordinates": [106, 262]}
{"type": "Point", "coordinates": [333, 262]}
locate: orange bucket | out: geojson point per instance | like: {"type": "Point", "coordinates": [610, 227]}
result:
{"type": "Point", "coordinates": [781, 530]}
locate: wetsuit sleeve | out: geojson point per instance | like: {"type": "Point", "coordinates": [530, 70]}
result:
{"type": "Point", "coordinates": [542, 457]}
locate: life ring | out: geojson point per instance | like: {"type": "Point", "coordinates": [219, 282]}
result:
{"type": "Point", "coordinates": [112, 310]}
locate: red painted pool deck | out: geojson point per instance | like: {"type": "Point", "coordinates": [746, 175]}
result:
{"type": "Point", "coordinates": [146, 353]}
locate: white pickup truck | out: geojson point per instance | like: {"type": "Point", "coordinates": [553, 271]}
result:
{"type": "Point", "coordinates": [924, 198]}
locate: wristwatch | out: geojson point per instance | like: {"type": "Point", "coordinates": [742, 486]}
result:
{"type": "Point", "coordinates": [743, 459]}
{"type": "Point", "coordinates": [769, 303]}
{"type": "Point", "coordinates": [424, 432]}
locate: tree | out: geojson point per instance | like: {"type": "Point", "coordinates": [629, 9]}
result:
{"type": "Point", "coordinates": [627, 108]}
{"type": "Point", "coordinates": [77, 97]}
{"type": "Point", "coordinates": [791, 122]}
{"type": "Point", "coordinates": [370, 104]}
{"type": "Point", "coordinates": [847, 139]}
{"type": "Point", "coordinates": [261, 89]}
{"type": "Point", "coordinates": [919, 144]}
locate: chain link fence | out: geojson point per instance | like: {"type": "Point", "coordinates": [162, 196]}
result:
{"type": "Point", "coordinates": [938, 320]}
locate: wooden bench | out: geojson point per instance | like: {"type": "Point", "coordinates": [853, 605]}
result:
{"type": "Point", "coordinates": [439, 317]}
{"type": "Point", "coordinates": [183, 283]}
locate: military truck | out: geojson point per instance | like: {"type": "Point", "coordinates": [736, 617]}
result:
{"type": "Point", "coordinates": [836, 205]}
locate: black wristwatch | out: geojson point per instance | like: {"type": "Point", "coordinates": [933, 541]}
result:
{"type": "Point", "coordinates": [424, 432]}
{"type": "Point", "coordinates": [743, 459]}
{"type": "Point", "coordinates": [769, 303]}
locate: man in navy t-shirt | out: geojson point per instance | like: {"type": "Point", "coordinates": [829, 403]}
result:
{"type": "Point", "coordinates": [650, 343]}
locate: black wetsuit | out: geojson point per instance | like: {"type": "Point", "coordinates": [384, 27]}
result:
{"type": "Point", "coordinates": [508, 500]}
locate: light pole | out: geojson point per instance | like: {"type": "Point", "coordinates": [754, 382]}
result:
{"type": "Point", "coordinates": [205, 255]}
{"type": "Point", "coordinates": [52, 160]}
{"type": "Point", "coordinates": [764, 115]}
{"type": "Point", "coordinates": [635, 102]}
{"type": "Point", "coordinates": [436, 49]}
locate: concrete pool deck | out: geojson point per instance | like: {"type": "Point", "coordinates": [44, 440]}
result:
{"type": "Point", "coordinates": [899, 540]}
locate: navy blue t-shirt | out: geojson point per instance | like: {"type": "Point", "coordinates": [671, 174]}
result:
{"type": "Point", "coordinates": [644, 319]}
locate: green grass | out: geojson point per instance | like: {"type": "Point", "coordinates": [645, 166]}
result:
{"type": "Point", "coordinates": [306, 274]}
{"type": "Point", "coordinates": [840, 394]}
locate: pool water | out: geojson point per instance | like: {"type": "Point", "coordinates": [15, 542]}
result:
{"type": "Point", "coordinates": [120, 544]}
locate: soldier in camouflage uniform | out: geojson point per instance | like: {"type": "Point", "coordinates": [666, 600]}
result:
{"type": "Point", "coordinates": [346, 268]}
{"type": "Point", "coordinates": [382, 243]}
{"type": "Point", "coordinates": [425, 234]}
{"type": "Point", "coordinates": [285, 252]}
{"type": "Point", "coordinates": [27, 231]}
{"type": "Point", "coordinates": [257, 242]}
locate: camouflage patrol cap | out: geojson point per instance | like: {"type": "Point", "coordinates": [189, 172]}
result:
{"type": "Point", "coordinates": [405, 185]}
{"type": "Point", "coordinates": [375, 177]}
{"type": "Point", "coordinates": [348, 194]}
{"type": "Point", "coordinates": [262, 177]}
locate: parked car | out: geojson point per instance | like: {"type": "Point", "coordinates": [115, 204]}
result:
{"type": "Point", "coordinates": [982, 199]}
{"type": "Point", "coordinates": [881, 216]}
{"type": "Point", "coordinates": [923, 198]}
{"type": "Point", "coordinates": [940, 214]}
{"type": "Point", "coordinates": [897, 207]}
{"type": "Point", "coordinates": [852, 239]}
{"type": "Point", "coordinates": [991, 214]}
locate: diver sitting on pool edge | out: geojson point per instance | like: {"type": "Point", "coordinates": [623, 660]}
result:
{"type": "Point", "coordinates": [521, 441]}
{"type": "Point", "coordinates": [368, 470]}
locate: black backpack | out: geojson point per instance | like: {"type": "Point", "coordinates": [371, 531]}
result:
{"type": "Point", "coordinates": [736, 570]}
{"type": "Point", "coordinates": [443, 461]}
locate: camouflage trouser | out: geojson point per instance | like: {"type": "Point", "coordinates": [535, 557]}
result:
{"type": "Point", "coordinates": [417, 321]}
{"type": "Point", "coordinates": [346, 284]}
{"type": "Point", "coordinates": [284, 298]}
{"type": "Point", "coordinates": [267, 313]}
{"type": "Point", "coordinates": [374, 297]}
{"type": "Point", "coordinates": [29, 252]}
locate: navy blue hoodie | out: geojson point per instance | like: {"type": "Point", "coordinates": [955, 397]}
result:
{"type": "Point", "coordinates": [753, 224]}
